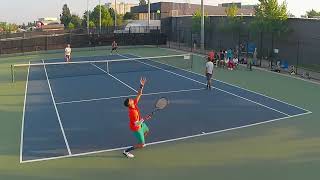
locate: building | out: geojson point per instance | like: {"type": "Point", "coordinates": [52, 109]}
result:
{"type": "Point", "coordinates": [239, 5]}
{"type": "Point", "coordinates": [226, 5]}
{"type": "Point", "coordinates": [49, 24]}
{"type": "Point", "coordinates": [162, 10]}
{"type": "Point", "coordinates": [49, 20]}
{"type": "Point", "coordinates": [122, 7]}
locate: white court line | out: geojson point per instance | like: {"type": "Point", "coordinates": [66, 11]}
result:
{"type": "Point", "coordinates": [23, 114]}
{"type": "Point", "coordinates": [117, 97]}
{"type": "Point", "coordinates": [165, 141]}
{"type": "Point", "coordinates": [214, 87]}
{"type": "Point", "coordinates": [114, 77]}
{"type": "Point", "coordinates": [262, 95]}
{"type": "Point", "coordinates": [57, 112]}
{"type": "Point", "coordinates": [235, 86]}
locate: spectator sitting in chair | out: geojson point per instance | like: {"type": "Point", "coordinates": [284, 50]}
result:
{"type": "Point", "coordinates": [278, 67]}
{"type": "Point", "coordinates": [229, 54]}
{"type": "Point", "coordinates": [292, 70]}
{"type": "Point", "coordinates": [211, 57]}
{"type": "Point", "coordinates": [249, 63]}
{"type": "Point", "coordinates": [221, 59]}
{"type": "Point", "coordinates": [226, 62]}
{"type": "Point", "coordinates": [230, 64]}
{"type": "Point", "coordinates": [236, 61]}
{"type": "Point", "coordinates": [242, 60]}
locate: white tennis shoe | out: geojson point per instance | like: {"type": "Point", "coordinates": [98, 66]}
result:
{"type": "Point", "coordinates": [128, 154]}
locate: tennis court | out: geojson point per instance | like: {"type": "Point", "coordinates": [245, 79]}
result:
{"type": "Point", "coordinates": [77, 109]}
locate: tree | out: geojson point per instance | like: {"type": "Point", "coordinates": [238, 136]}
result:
{"type": "Point", "coordinates": [23, 26]}
{"type": "Point", "coordinates": [312, 13]}
{"type": "Point", "coordinates": [196, 21]}
{"type": "Point", "coordinates": [129, 15]}
{"type": "Point", "coordinates": [233, 22]}
{"type": "Point", "coordinates": [31, 24]}
{"type": "Point", "coordinates": [8, 27]}
{"type": "Point", "coordinates": [84, 19]}
{"type": "Point", "coordinates": [119, 20]}
{"type": "Point", "coordinates": [3, 27]}
{"type": "Point", "coordinates": [71, 26]}
{"type": "Point", "coordinates": [106, 19]}
{"type": "Point", "coordinates": [91, 24]}
{"type": "Point", "coordinates": [112, 13]}
{"type": "Point", "coordinates": [271, 17]}
{"type": "Point", "coordinates": [76, 21]}
{"type": "Point", "coordinates": [232, 11]}
{"type": "Point", "coordinates": [142, 2]}
{"type": "Point", "coordinates": [65, 17]}
{"type": "Point", "coordinates": [291, 15]}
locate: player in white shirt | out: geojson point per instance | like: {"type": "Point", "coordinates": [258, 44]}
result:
{"type": "Point", "coordinates": [209, 72]}
{"type": "Point", "coordinates": [67, 53]}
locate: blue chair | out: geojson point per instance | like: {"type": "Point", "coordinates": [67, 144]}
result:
{"type": "Point", "coordinates": [284, 64]}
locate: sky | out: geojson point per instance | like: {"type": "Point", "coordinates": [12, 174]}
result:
{"type": "Point", "coordinates": [23, 11]}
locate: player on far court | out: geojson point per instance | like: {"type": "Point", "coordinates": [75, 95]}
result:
{"type": "Point", "coordinates": [209, 72]}
{"type": "Point", "coordinates": [140, 130]}
{"type": "Point", "coordinates": [114, 47]}
{"type": "Point", "coordinates": [67, 53]}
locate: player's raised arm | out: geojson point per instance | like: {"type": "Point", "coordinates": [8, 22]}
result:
{"type": "Point", "coordinates": [143, 80]}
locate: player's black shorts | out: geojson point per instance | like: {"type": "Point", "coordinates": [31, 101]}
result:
{"type": "Point", "coordinates": [114, 48]}
{"type": "Point", "coordinates": [209, 76]}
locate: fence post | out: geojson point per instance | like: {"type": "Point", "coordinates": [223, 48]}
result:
{"type": "Point", "coordinates": [70, 31]}
{"type": "Point", "coordinates": [179, 38]}
{"type": "Point", "coordinates": [46, 43]}
{"type": "Point", "coordinates": [191, 41]}
{"type": "Point", "coordinates": [298, 54]}
{"type": "Point", "coordinates": [158, 36]}
{"type": "Point", "coordinates": [22, 50]}
{"type": "Point", "coordinates": [261, 51]}
{"type": "Point", "coordinates": [169, 39]}
{"type": "Point", "coordinates": [12, 73]}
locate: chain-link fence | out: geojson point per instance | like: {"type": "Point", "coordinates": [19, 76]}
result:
{"type": "Point", "coordinates": [43, 41]}
{"type": "Point", "coordinates": [295, 52]}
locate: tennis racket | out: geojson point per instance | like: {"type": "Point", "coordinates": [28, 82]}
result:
{"type": "Point", "coordinates": [160, 104]}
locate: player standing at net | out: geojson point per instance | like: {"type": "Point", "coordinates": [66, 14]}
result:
{"type": "Point", "coordinates": [114, 47]}
{"type": "Point", "coordinates": [67, 53]}
{"type": "Point", "coordinates": [209, 72]}
{"type": "Point", "coordinates": [140, 130]}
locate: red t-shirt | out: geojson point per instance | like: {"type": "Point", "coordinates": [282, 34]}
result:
{"type": "Point", "coordinates": [134, 116]}
{"type": "Point", "coordinates": [211, 55]}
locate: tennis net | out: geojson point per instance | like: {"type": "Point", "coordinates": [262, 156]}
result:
{"type": "Point", "coordinates": [92, 67]}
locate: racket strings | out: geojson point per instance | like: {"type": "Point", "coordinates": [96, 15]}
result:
{"type": "Point", "coordinates": [162, 103]}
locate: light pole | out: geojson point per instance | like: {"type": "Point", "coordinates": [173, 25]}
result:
{"type": "Point", "coordinates": [88, 16]}
{"type": "Point", "coordinates": [149, 14]}
{"type": "Point", "coordinates": [202, 25]}
{"type": "Point", "coordinates": [100, 16]}
{"type": "Point", "coordinates": [115, 14]}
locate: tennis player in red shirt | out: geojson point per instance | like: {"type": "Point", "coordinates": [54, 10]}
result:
{"type": "Point", "coordinates": [211, 57]}
{"type": "Point", "coordinates": [139, 128]}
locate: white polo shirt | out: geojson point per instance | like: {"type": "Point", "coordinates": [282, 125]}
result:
{"type": "Point", "coordinates": [209, 67]}
{"type": "Point", "coordinates": [67, 51]}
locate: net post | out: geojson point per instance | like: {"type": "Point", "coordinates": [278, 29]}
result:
{"type": "Point", "coordinates": [12, 73]}
{"type": "Point", "coordinates": [108, 67]}
{"type": "Point", "coordinates": [191, 57]}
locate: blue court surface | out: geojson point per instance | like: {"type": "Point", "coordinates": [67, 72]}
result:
{"type": "Point", "coordinates": [72, 115]}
